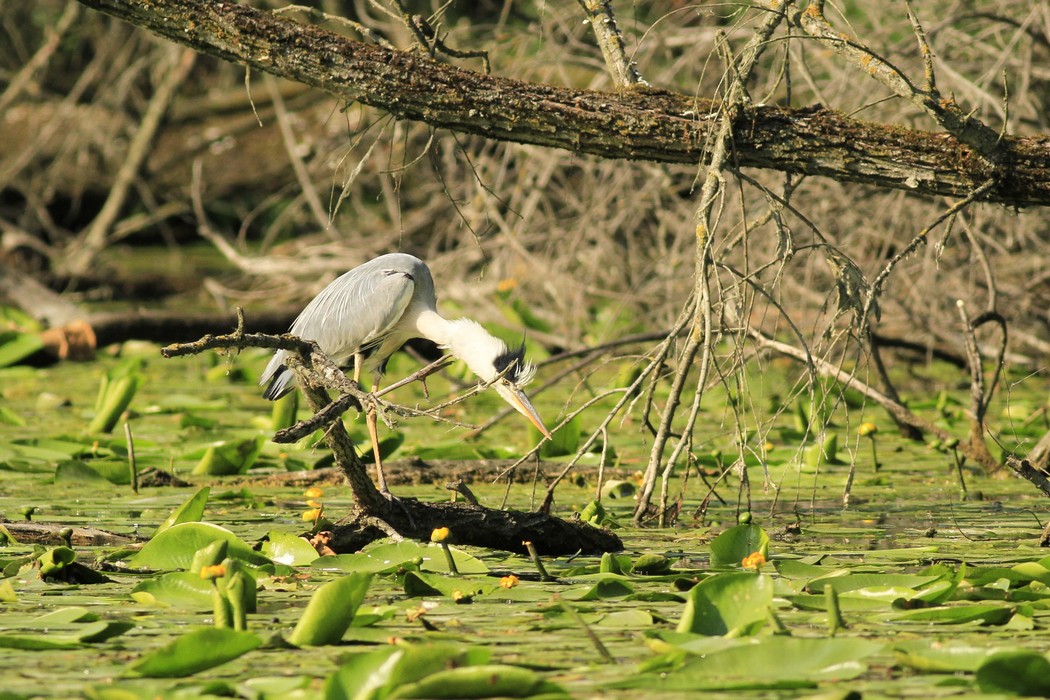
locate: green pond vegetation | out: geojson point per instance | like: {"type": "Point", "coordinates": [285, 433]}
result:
{"type": "Point", "coordinates": [914, 589]}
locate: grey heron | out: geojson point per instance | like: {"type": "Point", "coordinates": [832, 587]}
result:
{"type": "Point", "coordinates": [366, 314]}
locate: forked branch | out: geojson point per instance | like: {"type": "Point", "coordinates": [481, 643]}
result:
{"type": "Point", "coordinates": [375, 516]}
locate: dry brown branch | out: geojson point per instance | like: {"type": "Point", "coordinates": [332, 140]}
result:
{"type": "Point", "coordinates": [81, 253]}
{"type": "Point", "coordinates": [980, 393]}
{"type": "Point", "coordinates": [610, 40]}
{"type": "Point", "coordinates": [900, 412]}
{"type": "Point", "coordinates": [1037, 477]}
{"type": "Point", "coordinates": [324, 221]}
{"type": "Point", "coordinates": [18, 83]}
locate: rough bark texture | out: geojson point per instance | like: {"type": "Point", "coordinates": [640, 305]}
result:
{"type": "Point", "coordinates": [643, 123]}
{"type": "Point", "coordinates": [479, 527]}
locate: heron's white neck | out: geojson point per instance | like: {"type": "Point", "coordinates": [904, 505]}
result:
{"type": "Point", "coordinates": [464, 339]}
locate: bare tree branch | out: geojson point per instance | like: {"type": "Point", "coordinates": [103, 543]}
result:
{"type": "Point", "coordinates": [610, 41]}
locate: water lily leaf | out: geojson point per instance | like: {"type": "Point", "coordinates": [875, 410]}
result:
{"type": "Point", "coordinates": [196, 651]}
{"type": "Point", "coordinates": [856, 582]}
{"type": "Point", "coordinates": [811, 659]}
{"type": "Point", "coordinates": [263, 687]}
{"type": "Point", "coordinates": [797, 569]}
{"type": "Point", "coordinates": [847, 603]}
{"type": "Point", "coordinates": [421, 583]}
{"type": "Point", "coordinates": [174, 547]}
{"type": "Point", "coordinates": [386, 556]}
{"type": "Point", "coordinates": [181, 589]}
{"type": "Point", "coordinates": [45, 450]}
{"type": "Point", "coordinates": [365, 564]}
{"type": "Point", "coordinates": [9, 417]}
{"type": "Point", "coordinates": [285, 548]}
{"type": "Point", "coordinates": [614, 564]}
{"type": "Point", "coordinates": [777, 662]}
{"type": "Point", "coordinates": [75, 470]}
{"type": "Point", "coordinates": [607, 588]}
{"type": "Point", "coordinates": [730, 547]}
{"type": "Point", "coordinates": [39, 642]}
{"type": "Point", "coordinates": [650, 564]}
{"type": "Point", "coordinates": [361, 676]}
{"type": "Point", "coordinates": [116, 390]}
{"type": "Point", "coordinates": [985, 614]}
{"type": "Point", "coordinates": [373, 674]}
{"type": "Point", "coordinates": [938, 657]}
{"type": "Point", "coordinates": [64, 616]}
{"type": "Point", "coordinates": [1032, 571]}
{"type": "Point", "coordinates": [630, 619]}
{"type": "Point", "coordinates": [487, 681]}
{"type": "Point", "coordinates": [191, 510]}
{"type": "Point", "coordinates": [729, 604]}
{"type": "Point", "coordinates": [1020, 672]}
{"type": "Point", "coordinates": [618, 489]}
{"type": "Point", "coordinates": [330, 611]}
{"type": "Point", "coordinates": [54, 561]}
{"type": "Point", "coordinates": [230, 457]}
{"type": "Point", "coordinates": [564, 441]}
{"type": "Point", "coordinates": [15, 346]}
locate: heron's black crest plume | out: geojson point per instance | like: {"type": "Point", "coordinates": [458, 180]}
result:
{"type": "Point", "coordinates": [514, 358]}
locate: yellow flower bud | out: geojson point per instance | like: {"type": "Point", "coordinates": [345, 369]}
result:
{"type": "Point", "coordinates": [753, 561]}
{"type": "Point", "coordinates": [213, 572]}
{"type": "Point", "coordinates": [439, 534]}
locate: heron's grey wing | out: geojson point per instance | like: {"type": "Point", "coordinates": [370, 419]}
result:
{"type": "Point", "coordinates": [354, 311]}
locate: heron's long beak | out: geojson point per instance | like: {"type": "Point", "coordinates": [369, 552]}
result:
{"type": "Point", "coordinates": [517, 398]}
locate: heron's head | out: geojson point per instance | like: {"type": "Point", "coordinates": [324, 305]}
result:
{"type": "Point", "coordinates": [504, 368]}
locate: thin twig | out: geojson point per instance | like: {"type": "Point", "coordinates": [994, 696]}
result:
{"type": "Point", "coordinates": [313, 200]}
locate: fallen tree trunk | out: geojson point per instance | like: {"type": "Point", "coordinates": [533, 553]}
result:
{"type": "Point", "coordinates": [640, 123]}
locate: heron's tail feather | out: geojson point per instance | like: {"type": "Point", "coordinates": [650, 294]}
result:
{"type": "Point", "coordinates": [277, 378]}
{"type": "Point", "coordinates": [280, 384]}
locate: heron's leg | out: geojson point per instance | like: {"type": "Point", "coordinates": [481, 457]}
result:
{"type": "Point", "coordinates": [370, 421]}
{"type": "Point", "coordinates": [373, 434]}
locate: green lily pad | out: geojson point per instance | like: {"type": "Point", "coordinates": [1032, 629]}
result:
{"type": "Point", "coordinates": [196, 651]}
{"type": "Point", "coordinates": [729, 604]}
{"type": "Point", "coordinates": [731, 546]}
{"type": "Point", "coordinates": [330, 611]}
{"type": "Point", "coordinates": [174, 547]}
{"type": "Point", "coordinates": [1020, 672]}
